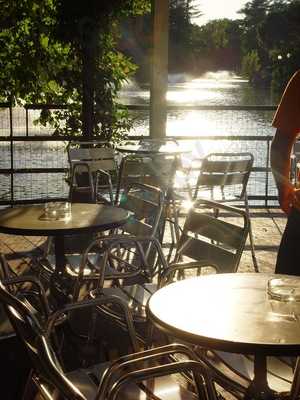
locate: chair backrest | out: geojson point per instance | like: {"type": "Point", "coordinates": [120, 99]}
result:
{"type": "Point", "coordinates": [214, 239]}
{"type": "Point", "coordinates": [156, 170]}
{"type": "Point", "coordinates": [96, 155]}
{"type": "Point", "coordinates": [146, 203]}
{"type": "Point", "coordinates": [226, 174]}
{"type": "Point", "coordinates": [93, 166]}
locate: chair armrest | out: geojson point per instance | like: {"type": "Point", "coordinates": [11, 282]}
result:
{"type": "Point", "coordinates": [37, 284]}
{"type": "Point", "coordinates": [120, 368]}
{"type": "Point", "coordinates": [167, 275]}
{"type": "Point", "coordinates": [201, 373]}
{"type": "Point", "coordinates": [98, 302]}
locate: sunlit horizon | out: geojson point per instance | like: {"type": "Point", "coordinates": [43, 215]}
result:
{"type": "Point", "coordinates": [218, 9]}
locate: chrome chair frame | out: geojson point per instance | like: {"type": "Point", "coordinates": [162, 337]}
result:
{"type": "Point", "coordinates": [223, 171]}
{"type": "Point", "coordinates": [207, 237]}
{"type": "Point", "coordinates": [50, 379]}
{"type": "Point", "coordinates": [97, 162]}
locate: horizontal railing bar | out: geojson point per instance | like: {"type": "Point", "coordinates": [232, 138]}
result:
{"type": "Point", "coordinates": [43, 200]}
{"type": "Point", "coordinates": [133, 138]}
{"type": "Point", "coordinates": [7, 171]}
{"type": "Point", "coordinates": [144, 107]}
{"type": "Point", "coordinates": [219, 137]}
{"type": "Point", "coordinates": [46, 106]}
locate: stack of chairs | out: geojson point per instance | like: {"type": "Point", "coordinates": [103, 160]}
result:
{"type": "Point", "coordinates": [141, 373]}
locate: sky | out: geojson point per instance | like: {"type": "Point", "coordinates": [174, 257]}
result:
{"type": "Point", "coordinates": [216, 9]}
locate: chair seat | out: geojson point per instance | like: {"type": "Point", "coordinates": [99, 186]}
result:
{"type": "Point", "coordinates": [136, 296]}
{"type": "Point", "coordinates": [164, 388]}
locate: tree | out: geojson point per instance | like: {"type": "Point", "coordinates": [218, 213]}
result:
{"type": "Point", "coordinates": [180, 32]}
{"type": "Point", "coordinates": [271, 41]}
{"type": "Point", "coordinates": [217, 45]}
{"type": "Point", "coordinates": [64, 51]}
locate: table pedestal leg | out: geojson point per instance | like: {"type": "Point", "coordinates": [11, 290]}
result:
{"type": "Point", "coordinates": [60, 259]}
{"type": "Point", "coordinates": [59, 284]}
{"type": "Point", "coordinates": [258, 388]}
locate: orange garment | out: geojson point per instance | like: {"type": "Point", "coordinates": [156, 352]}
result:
{"type": "Point", "coordinates": [287, 116]}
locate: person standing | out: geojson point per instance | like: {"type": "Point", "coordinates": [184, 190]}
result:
{"type": "Point", "coordinates": [287, 123]}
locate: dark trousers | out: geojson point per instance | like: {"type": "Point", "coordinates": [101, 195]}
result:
{"type": "Point", "coordinates": [288, 258]}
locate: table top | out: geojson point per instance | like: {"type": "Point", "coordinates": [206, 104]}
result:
{"type": "Point", "coordinates": [85, 217]}
{"type": "Point", "coordinates": [152, 148]}
{"type": "Point", "coordinates": [230, 312]}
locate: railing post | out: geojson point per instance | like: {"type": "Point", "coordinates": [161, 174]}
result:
{"type": "Point", "coordinates": [267, 173]}
{"type": "Point", "coordinates": [26, 121]}
{"type": "Point", "coordinates": [159, 70]}
{"type": "Point", "coordinates": [11, 155]}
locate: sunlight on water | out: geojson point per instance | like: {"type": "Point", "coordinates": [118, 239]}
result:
{"type": "Point", "coordinates": [212, 88]}
{"type": "Point", "coordinates": [192, 96]}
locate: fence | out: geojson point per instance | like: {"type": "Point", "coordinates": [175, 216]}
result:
{"type": "Point", "coordinates": [33, 164]}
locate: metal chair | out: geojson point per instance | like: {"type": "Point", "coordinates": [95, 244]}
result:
{"type": "Point", "coordinates": [146, 204]}
{"type": "Point", "coordinates": [156, 170]}
{"type": "Point", "coordinates": [207, 235]}
{"type": "Point", "coordinates": [206, 243]}
{"type": "Point", "coordinates": [126, 273]}
{"type": "Point", "coordinates": [223, 177]}
{"type": "Point", "coordinates": [132, 375]}
{"type": "Point", "coordinates": [92, 170]}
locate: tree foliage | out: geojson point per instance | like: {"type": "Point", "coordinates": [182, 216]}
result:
{"type": "Point", "coordinates": [271, 29]}
{"type": "Point", "coordinates": [64, 52]}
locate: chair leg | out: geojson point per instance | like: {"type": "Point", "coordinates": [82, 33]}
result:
{"type": "Point", "coordinates": [30, 390]}
{"type": "Point", "coordinates": [251, 239]}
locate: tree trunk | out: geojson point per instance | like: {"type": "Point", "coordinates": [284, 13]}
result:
{"type": "Point", "coordinates": [88, 81]}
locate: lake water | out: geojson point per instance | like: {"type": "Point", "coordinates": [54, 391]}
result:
{"type": "Point", "coordinates": [220, 88]}
{"type": "Point", "coordinates": [213, 89]}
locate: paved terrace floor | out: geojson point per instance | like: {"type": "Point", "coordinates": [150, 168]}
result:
{"type": "Point", "coordinates": [267, 225]}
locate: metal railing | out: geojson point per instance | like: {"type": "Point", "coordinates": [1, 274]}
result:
{"type": "Point", "coordinates": [33, 163]}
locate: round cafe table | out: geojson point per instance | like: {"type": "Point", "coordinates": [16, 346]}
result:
{"type": "Point", "coordinates": [84, 218]}
{"type": "Point", "coordinates": [232, 313]}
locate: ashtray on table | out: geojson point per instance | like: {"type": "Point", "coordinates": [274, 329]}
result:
{"type": "Point", "coordinates": [284, 296]}
{"type": "Point", "coordinates": [57, 211]}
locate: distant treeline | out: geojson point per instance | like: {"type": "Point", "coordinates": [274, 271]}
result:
{"type": "Point", "coordinates": [263, 45]}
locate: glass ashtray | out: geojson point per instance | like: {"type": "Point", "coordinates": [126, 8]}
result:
{"type": "Point", "coordinates": [284, 296]}
{"type": "Point", "coordinates": [57, 210]}
{"type": "Point", "coordinates": [284, 289]}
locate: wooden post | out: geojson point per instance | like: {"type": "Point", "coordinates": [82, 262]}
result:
{"type": "Point", "coordinates": [159, 73]}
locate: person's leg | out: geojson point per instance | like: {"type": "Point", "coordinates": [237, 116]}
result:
{"type": "Point", "coordinates": [288, 258]}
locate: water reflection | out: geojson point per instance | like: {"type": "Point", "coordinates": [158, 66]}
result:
{"type": "Point", "coordinates": [214, 88]}
{"type": "Point", "coordinates": [220, 88]}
